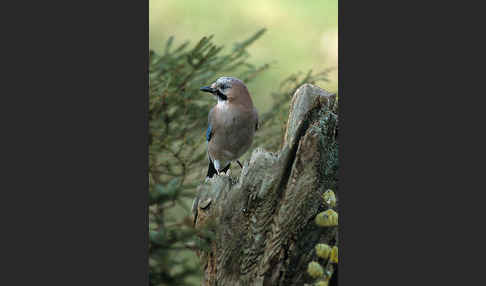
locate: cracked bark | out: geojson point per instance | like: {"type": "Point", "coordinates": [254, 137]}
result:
{"type": "Point", "coordinates": [263, 222]}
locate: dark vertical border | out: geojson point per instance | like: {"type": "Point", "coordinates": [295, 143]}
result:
{"type": "Point", "coordinates": [400, 144]}
{"type": "Point", "coordinates": [76, 168]}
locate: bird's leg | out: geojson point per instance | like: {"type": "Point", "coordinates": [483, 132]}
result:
{"type": "Point", "coordinates": [222, 172]}
{"type": "Point", "coordinates": [226, 169]}
{"type": "Point", "coordinates": [241, 166]}
{"type": "Point", "coordinates": [217, 165]}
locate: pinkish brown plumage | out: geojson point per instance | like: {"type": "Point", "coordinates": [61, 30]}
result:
{"type": "Point", "coordinates": [232, 123]}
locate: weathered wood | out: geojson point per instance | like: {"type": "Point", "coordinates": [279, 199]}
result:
{"type": "Point", "coordinates": [263, 221]}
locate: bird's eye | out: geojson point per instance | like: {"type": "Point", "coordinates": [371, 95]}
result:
{"type": "Point", "coordinates": [223, 86]}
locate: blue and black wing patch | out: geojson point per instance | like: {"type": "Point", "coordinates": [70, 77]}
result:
{"type": "Point", "coordinates": [209, 133]}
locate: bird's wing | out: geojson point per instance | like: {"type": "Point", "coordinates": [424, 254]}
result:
{"type": "Point", "coordinates": [210, 130]}
{"type": "Point", "coordinates": [208, 133]}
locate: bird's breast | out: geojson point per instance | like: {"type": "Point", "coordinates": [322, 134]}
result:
{"type": "Point", "coordinates": [233, 137]}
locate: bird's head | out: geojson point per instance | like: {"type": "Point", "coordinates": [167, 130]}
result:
{"type": "Point", "coordinates": [229, 89]}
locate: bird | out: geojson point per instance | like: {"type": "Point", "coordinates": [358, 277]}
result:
{"type": "Point", "coordinates": [232, 123]}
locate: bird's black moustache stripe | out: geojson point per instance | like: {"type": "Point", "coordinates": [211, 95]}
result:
{"type": "Point", "coordinates": [221, 95]}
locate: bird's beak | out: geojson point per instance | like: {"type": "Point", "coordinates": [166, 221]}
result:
{"type": "Point", "coordinates": [207, 89]}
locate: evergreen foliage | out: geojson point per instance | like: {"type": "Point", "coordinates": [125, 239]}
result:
{"type": "Point", "coordinates": [177, 151]}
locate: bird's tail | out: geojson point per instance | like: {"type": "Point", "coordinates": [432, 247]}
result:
{"type": "Point", "coordinates": [211, 170]}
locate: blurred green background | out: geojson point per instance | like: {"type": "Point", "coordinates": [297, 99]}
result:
{"type": "Point", "coordinates": [301, 35]}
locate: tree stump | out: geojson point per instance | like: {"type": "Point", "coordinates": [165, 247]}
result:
{"type": "Point", "coordinates": [263, 222]}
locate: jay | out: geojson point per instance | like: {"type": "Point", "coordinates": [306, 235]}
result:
{"type": "Point", "coordinates": [232, 124]}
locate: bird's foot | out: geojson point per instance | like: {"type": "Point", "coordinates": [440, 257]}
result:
{"type": "Point", "coordinates": [223, 173]}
